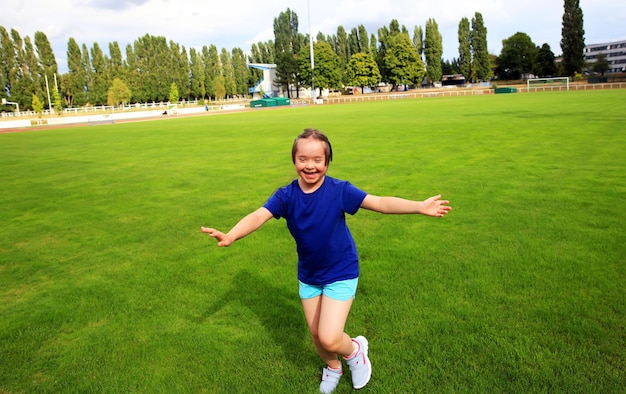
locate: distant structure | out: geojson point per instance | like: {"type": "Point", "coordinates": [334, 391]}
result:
{"type": "Point", "coordinates": [264, 88]}
{"type": "Point", "coordinates": [615, 53]}
{"type": "Point", "coordinates": [453, 80]}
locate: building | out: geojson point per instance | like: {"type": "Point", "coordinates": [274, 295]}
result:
{"type": "Point", "coordinates": [615, 53]}
{"type": "Point", "coordinates": [265, 88]}
{"type": "Point", "coordinates": [453, 80]}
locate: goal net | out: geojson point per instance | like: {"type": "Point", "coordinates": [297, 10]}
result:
{"type": "Point", "coordinates": [543, 84]}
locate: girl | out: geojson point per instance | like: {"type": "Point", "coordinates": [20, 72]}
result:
{"type": "Point", "coordinates": [314, 206]}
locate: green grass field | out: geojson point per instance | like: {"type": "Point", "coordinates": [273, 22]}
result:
{"type": "Point", "coordinates": [107, 284]}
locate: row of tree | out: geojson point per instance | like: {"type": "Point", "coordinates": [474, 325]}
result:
{"type": "Point", "coordinates": [151, 64]}
{"type": "Point", "coordinates": [392, 56]}
{"type": "Point", "coordinates": [152, 68]}
{"type": "Point", "coordinates": [520, 56]}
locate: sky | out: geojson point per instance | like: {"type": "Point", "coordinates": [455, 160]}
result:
{"type": "Point", "coordinates": [240, 23]}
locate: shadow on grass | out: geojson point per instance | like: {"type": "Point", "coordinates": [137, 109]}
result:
{"type": "Point", "coordinates": [278, 311]}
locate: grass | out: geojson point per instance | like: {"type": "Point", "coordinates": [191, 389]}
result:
{"type": "Point", "coordinates": [107, 284]}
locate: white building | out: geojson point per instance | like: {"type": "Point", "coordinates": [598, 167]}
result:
{"type": "Point", "coordinates": [615, 53]}
{"type": "Point", "coordinates": [265, 87]}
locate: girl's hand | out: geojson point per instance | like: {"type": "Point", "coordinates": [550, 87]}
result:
{"type": "Point", "coordinates": [222, 239]}
{"type": "Point", "coordinates": [435, 206]}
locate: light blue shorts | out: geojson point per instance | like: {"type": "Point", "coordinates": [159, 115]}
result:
{"type": "Point", "coordinates": [342, 290]}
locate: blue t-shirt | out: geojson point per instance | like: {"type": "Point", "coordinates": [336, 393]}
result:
{"type": "Point", "coordinates": [317, 221]}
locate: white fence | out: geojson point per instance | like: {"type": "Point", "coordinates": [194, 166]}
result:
{"type": "Point", "coordinates": [98, 117]}
{"type": "Point", "coordinates": [573, 86]}
{"type": "Point", "coordinates": [421, 93]}
{"type": "Point", "coordinates": [456, 92]}
{"type": "Point", "coordinates": [136, 107]}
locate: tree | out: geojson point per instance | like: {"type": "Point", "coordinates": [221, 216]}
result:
{"type": "Point", "coordinates": [403, 62]}
{"type": "Point", "coordinates": [139, 67]}
{"type": "Point", "coordinates": [418, 39]}
{"type": "Point", "coordinates": [46, 65]}
{"type": "Point", "coordinates": [373, 47]}
{"type": "Point", "coordinates": [56, 101]}
{"type": "Point", "coordinates": [465, 49]}
{"type": "Point", "coordinates": [25, 74]}
{"type": "Point", "coordinates": [326, 73]}
{"type": "Point", "coordinates": [198, 87]}
{"type": "Point", "coordinates": [255, 75]}
{"type": "Point", "coordinates": [601, 65]}
{"type": "Point", "coordinates": [450, 67]}
{"type": "Point", "coordinates": [115, 66]}
{"type": "Point", "coordinates": [160, 64]}
{"type": "Point", "coordinates": [31, 79]}
{"type": "Point", "coordinates": [184, 73]}
{"type": "Point", "coordinates": [267, 51]}
{"type": "Point", "coordinates": [173, 96]}
{"type": "Point", "coordinates": [178, 69]}
{"type": "Point", "coordinates": [99, 81]}
{"type": "Point", "coordinates": [64, 89]}
{"type": "Point", "coordinates": [77, 76]}
{"type": "Point", "coordinates": [47, 61]}
{"type": "Point", "coordinates": [7, 63]}
{"type": "Point", "coordinates": [363, 71]}
{"type": "Point", "coordinates": [220, 88]}
{"type": "Point", "coordinates": [287, 45]}
{"type": "Point", "coordinates": [212, 69]}
{"type": "Point", "coordinates": [37, 105]}
{"type": "Point", "coordinates": [153, 62]}
{"type": "Point", "coordinates": [573, 38]}
{"type": "Point", "coordinates": [342, 49]}
{"type": "Point", "coordinates": [85, 63]}
{"type": "Point", "coordinates": [228, 72]}
{"type": "Point", "coordinates": [259, 53]}
{"type": "Point", "coordinates": [394, 27]}
{"type": "Point", "coordinates": [131, 72]}
{"type": "Point", "coordinates": [386, 40]}
{"type": "Point", "coordinates": [480, 53]}
{"type": "Point", "coordinates": [241, 71]}
{"type": "Point", "coordinates": [544, 64]}
{"type": "Point", "coordinates": [385, 44]}
{"type": "Point", "coordinates": [493, 63]}
{"type": "Point", "coordinates": [118, 93]}
{"type": "Point", "coordinates": [433, 51]}
{"type": "Point", "coordinates": [363, 39]}
{"type": "Point", "coordinates": [354, 46]}
{"type": "Point", "coordinates": [517, 57]}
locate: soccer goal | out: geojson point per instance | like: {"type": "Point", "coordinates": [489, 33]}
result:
{"type": "Point", "coordinates": [543, 84]}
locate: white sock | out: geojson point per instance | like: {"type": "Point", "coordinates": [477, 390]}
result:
{"type": "Point", "coordinates": [338, 369]}
{"type": "Point", "coordinates": [357, 347]}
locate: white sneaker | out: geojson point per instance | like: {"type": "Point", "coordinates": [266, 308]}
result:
{"type": "Point", "coordinates": [360, 364]}
{"type": "Point", "coordinates": [330, 380]}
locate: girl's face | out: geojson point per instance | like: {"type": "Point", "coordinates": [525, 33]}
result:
{"type": "Point", "coordinates": [311, 163]}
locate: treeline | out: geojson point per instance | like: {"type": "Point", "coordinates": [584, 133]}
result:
{"type": "Point", "coordinates": [394, 55]}
{"type": "Point", "coordinates": [153, 69]}
{"type": "Point", "coordinates": [152, 65]}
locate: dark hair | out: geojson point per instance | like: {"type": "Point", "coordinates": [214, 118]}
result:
{"type": "Point", "coordinates": [313, 134]}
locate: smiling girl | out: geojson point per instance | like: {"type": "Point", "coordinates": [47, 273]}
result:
{"type": "Point", "coordinates": [314, 206]}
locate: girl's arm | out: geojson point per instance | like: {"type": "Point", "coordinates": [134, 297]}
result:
{"type": "Point", "coordinates": [433, 206]}
{"type": "Point", "coordinates": [247, 225]}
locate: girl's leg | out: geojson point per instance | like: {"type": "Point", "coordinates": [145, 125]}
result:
{"type": "Point", "coordinates": [326, 319]}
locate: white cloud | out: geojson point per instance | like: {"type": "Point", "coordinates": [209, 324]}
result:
{"type": "Point", "coordinates": [239, 23]}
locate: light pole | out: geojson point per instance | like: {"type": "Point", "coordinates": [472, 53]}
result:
{"type": "Point", "coordinates": [48, 90]}
{"type": "Point", "coordinates": [312, 55]}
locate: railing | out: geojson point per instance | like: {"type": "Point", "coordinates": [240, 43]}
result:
{"type": "Point", "coordinates": [418, 93]}
{"type": "Point", "coordinates": [573, 86]}
{"type": "Point", "coordinates": [99, 109]}
{"type": "Point", "coordinates": [421, 93]}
